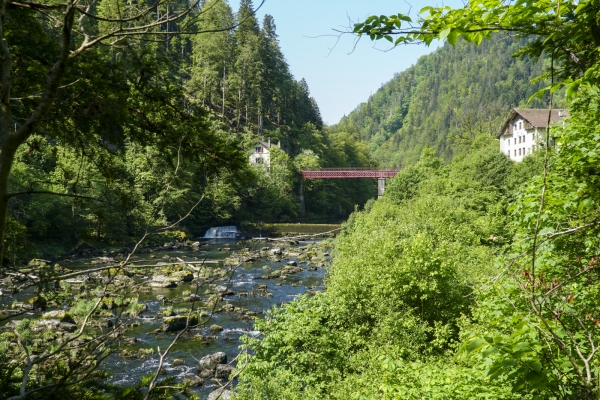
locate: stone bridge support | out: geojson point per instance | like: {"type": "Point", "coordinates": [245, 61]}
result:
{"type": "Point", "coordinates": [380, 187]}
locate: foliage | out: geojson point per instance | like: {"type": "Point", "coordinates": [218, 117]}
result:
{"type": "Point", "coordinates": [458, 283]}
{"type": "Point", "coordinates": [568, 32]}
{"type": "Point", "coordinates": [550, 346]}
{"type": "Point", "coordinates": [399, 284]}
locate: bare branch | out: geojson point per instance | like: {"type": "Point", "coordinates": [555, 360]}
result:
{"type": "Point", "coordinates": [77, 196]}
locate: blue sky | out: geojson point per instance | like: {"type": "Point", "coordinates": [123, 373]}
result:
{"type": "Point", "coordinates": [339, 78]}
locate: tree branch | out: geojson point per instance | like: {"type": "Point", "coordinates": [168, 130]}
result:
{"type": "Point", "coordinates": [77, 196]}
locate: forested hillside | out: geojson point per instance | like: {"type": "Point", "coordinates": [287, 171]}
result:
{"type": "Point", "coordinates": [142, 131]}
{"type": "Point", "coordinates": [445, 98]}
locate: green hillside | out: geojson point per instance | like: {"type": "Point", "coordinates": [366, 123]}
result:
{"type": "Point", "coordinates": [443, 100]}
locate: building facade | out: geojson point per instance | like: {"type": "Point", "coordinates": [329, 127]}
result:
{"type": "Point", "coordinates": [523, 132]}
{"type": "Point", "coordinates": [262, 153]}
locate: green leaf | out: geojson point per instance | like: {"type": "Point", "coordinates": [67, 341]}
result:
{"type": "Point", "coordinates": [585, 203]}
{"type": "Point", "coordinates": [573, 88]}
{"type": "Point", "coordinates": [475, 345]}
{"type": "Point", "coordinates": [520, 346]}
{"type": "Point", "coordinates": [509, 362]}
{"type": "Point", "coordinates": [444, 34]}
{"type": "Point", "coordinates": [534, 365]}
{"type": "Point", "coordinates": [539, 94]}
{"type": "Point", "coordinates": [489, 351]}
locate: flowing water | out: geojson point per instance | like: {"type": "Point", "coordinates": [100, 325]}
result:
{"type": "Point", "coordinates": [246, 278]}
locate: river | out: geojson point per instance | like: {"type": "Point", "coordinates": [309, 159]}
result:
{"type": "Point", "coordinates": [133, 360]}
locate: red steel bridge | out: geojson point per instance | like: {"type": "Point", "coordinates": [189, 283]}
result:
{"type": "Point", "coordinates": [346, 173]}
{"type": "Point", "coordinates": [349, 173]}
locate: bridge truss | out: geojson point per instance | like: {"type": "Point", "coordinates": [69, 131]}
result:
{"type": "Point", "coordinates": [348, 173]}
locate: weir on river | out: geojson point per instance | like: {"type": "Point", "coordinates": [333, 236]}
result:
{"type": "Point", "coordinates": [222, 232]}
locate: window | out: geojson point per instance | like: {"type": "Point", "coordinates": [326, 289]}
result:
{"type": "Point", "coordinates": [519, 151]}
{"type": "Point", "coordinates": [519, 139]}
{"type": "Point", "coordinates": [515, 140]}
{"type": "Point", "coordinates": [515, 153]}
{"type": "Point", "coordinates": [520, 125]}
{"type": "Point", "coordinates": [259, 149]}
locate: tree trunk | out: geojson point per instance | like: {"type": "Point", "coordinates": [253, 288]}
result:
{"type": "Point", "coordinates": [7, 156]}
{"type": "Point", "coordinates": [12, 140]}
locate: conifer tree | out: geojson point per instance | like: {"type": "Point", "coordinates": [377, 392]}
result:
{"type": "Point", "coordinates": [212, 55]}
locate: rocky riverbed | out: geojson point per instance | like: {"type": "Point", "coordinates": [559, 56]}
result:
{"type": "Point", "coordinates": [215, 288]}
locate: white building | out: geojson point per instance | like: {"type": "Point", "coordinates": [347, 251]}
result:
{"type": "Point", "coordinates": [523, 132]}
{"type": "Point", "coordinates": [262, 154]}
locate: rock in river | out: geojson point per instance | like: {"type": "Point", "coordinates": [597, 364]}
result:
{"type": "Point", "coordinates": [208, 364]}
{"type": "Point", "coordinates": [177, 362]}
{"type": "Point", "coordinates": [275, 251]}
{"type": "Point", "coordinates": [221, 394]}
{"type": "Point", "coordinates": [193, 380]}
{"type": "Point", "coordinates": [60, 315]}
{"type": "Point", "coordinates": [185, 276]}
{"type": "Point", "coordinates": [162, 281]}
{"type": "Point", "coordinates": [223, 290]}
{"type": "Point", "coordinates": [223, 371]}
{"type": "Point", "coordinates": [178, 322]}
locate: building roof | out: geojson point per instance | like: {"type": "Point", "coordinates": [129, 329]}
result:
{"type": "Point", "coordinates": [538, 117]}
{"type": "Point", "coordinates": [266, 145]}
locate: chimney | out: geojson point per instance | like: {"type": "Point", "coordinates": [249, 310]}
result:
{"type": "Point", "coordinates": [269, 142]}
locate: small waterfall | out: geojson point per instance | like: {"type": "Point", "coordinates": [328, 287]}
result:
{"type": "Point", "coordinates": [227, 232]}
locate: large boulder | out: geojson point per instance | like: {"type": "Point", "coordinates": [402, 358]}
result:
{"type": "Point", "coordinates": [162, 281]}
{"type": "Point", "coordinates": [193, 380]}
{"type": "Point", "coordinates": [60, 315]}
{"type": "Point", "coordinates": [223, 290]}
{"type": "Point", "coordinates": [209, 363]}
{"type": "Point", "coordinates": [54, 325]}
{"type": "Point", "coordinates": [185, 276]}
{"type": "Point", "coordinates": [223, 371]}
{"type": "Point", "coordinates": [178, 322]}
{"type": "Point", "coordinates": [219, 394]}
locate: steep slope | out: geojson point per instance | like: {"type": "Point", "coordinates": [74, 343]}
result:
{"type": "Point", "coordinates": [444, 99]}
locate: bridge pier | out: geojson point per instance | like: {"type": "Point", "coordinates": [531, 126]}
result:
{"type": "Point", "coordinates": [380, 187]}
